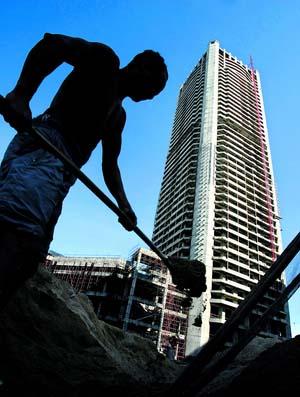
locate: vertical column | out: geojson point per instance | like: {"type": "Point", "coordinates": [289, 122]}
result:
{"type": "Point", "coordinates": [202, 234]}
{"type": "Point", "coordinates": [132, 291]}
{"type": "Point", "coordinates": [163, 309]}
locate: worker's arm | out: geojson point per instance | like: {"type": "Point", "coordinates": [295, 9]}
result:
{"type": "Point", "coordinates": [111, 145]}
{"type": "Point", "coordinates": [44, 58]}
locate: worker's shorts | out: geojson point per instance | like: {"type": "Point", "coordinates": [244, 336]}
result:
{"type": "Point", "coordinates": [33, 184]}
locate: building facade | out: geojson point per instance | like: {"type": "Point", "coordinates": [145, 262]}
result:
{"type": "Point", "coordinates": [218, 200]}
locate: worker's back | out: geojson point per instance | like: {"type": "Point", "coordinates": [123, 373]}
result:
{"type": "Point", "coordinates": [84, 100]}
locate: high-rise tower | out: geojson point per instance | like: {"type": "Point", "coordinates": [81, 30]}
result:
{"type": "Point", "coordinates": [218, 201]}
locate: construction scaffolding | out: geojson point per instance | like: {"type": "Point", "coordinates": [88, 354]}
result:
{"type": "Point", "coordinates": [165, 314]}
{"type": "Point", "coordinates": [266, 171]}
{"type": "Point", "coordinates": [103, 279]}
{"type": "Point", "coordinates": [135, 295]}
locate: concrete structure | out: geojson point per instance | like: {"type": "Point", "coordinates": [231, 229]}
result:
{"type": "Point", "coordinates": [218, 200]}
{"type": "Point", "coordinates": [153, 300]}
{"type": "Point", "coordinates": [136, 295]}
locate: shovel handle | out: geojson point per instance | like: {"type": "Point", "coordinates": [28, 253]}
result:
{"type": "Point", "coordinates": [92, 187]}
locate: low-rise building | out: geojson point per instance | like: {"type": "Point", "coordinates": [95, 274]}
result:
{"type": "Point", "coordinates": [136, 295]}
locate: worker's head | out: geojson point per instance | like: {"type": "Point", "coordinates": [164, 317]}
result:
{"type": "Point", "coordinates": [147, 75]}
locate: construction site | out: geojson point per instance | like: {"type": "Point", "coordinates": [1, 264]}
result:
{"type": "Point", "coordinates": [136, 295]}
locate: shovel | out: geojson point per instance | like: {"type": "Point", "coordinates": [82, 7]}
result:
{"type": "Point", "coordinates": [187, 275]}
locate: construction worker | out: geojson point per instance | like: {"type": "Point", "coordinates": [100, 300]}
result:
{"type": "Point", "coordinates": [170, 348]}
{"type": "Point", "coordinates": [86, 109]}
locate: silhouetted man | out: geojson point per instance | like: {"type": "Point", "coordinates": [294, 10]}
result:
{"type": "Point", "coordinates": [86, 109]}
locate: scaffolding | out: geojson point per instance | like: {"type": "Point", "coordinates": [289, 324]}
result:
{"type": "Point", "coordinates": [170, 302]}
{"type": "Point", "coordinates": [136, 295]}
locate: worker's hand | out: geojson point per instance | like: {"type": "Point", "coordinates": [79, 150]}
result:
{"type": "Point", "coordinates": [129, 223]}
{"type": "Point", "coordinates": [17, 111]}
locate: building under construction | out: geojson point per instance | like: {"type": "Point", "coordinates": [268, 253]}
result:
{"type": "Point", "coordinates": [218, 202]}
{"type": "Point", "coordinates": [136, 295]}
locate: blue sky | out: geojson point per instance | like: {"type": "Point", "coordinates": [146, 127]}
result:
{"type": "Point", "coordinates": [180, 30]}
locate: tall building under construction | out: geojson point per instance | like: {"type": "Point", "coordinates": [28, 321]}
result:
{"type": "Point", "coordinates": [218, 200]}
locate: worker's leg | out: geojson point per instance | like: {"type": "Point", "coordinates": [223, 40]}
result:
{"type": "Point", "coordinates": [19, 259]}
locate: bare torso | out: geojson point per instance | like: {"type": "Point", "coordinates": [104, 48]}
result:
{"type": "Point", "coordinates": [86, 106]}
